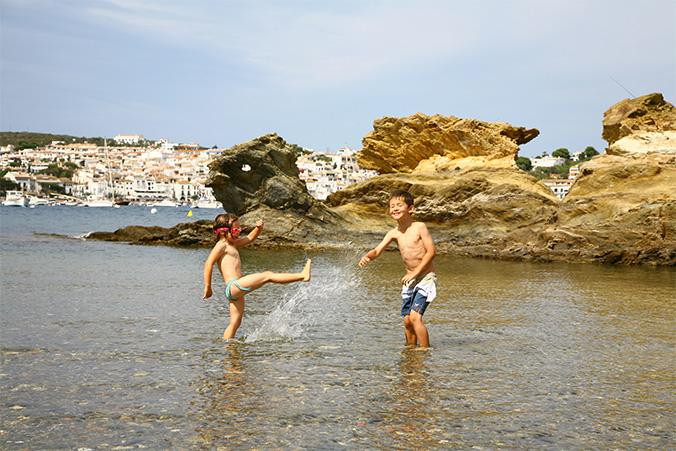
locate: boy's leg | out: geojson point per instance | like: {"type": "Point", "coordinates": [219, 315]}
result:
{"type": "Point", "coordinates": [420, 329]}
{"type": "Point", "coordinates": [257, 280]}
{"type": "Point", "coordinates": [236, 314]}
{"type": "Point", "coordinates": [409, 331]}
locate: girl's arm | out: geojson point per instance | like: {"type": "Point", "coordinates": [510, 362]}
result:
{"type": "Point", "coordinates": [215, 254]}
{"type": "Point", "coordinates": [251, 236]}
{"type": "Point", "coordinates": [374, 253]}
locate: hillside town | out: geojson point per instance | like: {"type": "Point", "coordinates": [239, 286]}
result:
{"type": "Point", "coordinates": [129, 169]}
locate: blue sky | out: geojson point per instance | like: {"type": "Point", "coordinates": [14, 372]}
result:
{"type": "Point", "coordinates": [319, 72]}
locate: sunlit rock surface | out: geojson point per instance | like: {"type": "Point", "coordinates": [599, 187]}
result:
{"type": "Point", "coordinates": [404, 144]}
{"type": "Point", "coordinates": [641, 125]}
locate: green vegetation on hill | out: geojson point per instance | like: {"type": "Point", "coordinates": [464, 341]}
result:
{"type": "Point", "coordinates": [27, 140]}
{"type": "Point", "coordinates": [562, 169]}
{"type": "Point", "coordinates": [31, 140]}
{"type": "Point", "coordinates": [60, 170]}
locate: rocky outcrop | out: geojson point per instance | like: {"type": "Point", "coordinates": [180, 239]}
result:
{"type": "Point", "coordinates": [621, 210]}
{"type": "Point", "coordinates": [261, 172]}
{"type": "Point", "coordinates": [198, 233]}
{"type": "Point", "coordinates": [259, 179]}
{"type": "Point", "coordinates": [641, 125]}
{"type": "Point", "coordinates": [405, 144]}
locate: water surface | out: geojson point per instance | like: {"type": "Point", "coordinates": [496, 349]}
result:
{"type": "Point", "coordinates": [108, 345]}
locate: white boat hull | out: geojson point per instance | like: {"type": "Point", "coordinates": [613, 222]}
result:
{"type": "Point", "coordinates": [15, 199]}
{"type": "Point", "coordinates": [99, 203]}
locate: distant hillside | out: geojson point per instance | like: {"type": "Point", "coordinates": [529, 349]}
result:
{"type": "Point", "coordinates": [25, 140]}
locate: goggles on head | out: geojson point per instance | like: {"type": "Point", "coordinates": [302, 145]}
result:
{"type": "Point", "coordinates": [233, 230]}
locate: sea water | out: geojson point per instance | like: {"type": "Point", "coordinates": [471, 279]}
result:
{"type": "Point", "coordinates": [108, 345]}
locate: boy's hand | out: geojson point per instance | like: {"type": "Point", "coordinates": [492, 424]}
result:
{"type": "Point", "coordinates": [259, 223]}
{"type": "Point", "coordinates": [207, 293]}
{"type": "Point", "coordinates": [364, 261]}
{"type": "Point", "coordinates": [407, 278]}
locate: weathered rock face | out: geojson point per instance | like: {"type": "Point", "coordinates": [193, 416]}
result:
{"type": "Point", "coordinates": [470, 213]}
{"type": "Point", "coordinates": [198, 233]}
{"type": "Point", "coordinates": [260, 172]}
{"type": "Point", "coordinates": [404, 144]}
{"type": "Point", "coordinates": [641, 125]}
{"type": "Point", "coordinates": [259, 179]}
{"type": "Point", "coordinates": [622, 210]}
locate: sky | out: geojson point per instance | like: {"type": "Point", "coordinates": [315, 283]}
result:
{"type": "Point", "coordinates": [318, 73]}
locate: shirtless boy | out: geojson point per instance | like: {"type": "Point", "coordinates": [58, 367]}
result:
{"type": "Point", "coordinates": [417, 251]}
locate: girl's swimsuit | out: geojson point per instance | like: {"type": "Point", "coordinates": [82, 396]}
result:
{"type": "Point", "coordinates": [228, 295]}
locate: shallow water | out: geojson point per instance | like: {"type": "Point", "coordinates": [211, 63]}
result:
{"type": "Point", "coordinates": [109, 345]}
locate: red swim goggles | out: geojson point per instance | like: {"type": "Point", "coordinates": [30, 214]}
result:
{"type": "Point", "coordinates": [234, 230]}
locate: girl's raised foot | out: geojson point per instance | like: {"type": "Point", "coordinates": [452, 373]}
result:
{"type": "Point", "coordinates": [306, 270]}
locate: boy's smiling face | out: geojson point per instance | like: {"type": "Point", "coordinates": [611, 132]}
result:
{"type": "Point", "coordinates": [399, 208]}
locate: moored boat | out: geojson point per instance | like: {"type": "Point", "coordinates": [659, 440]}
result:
{"type": "Point", "coordinates": [15, 199]}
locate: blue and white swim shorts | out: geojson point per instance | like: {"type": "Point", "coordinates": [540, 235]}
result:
{"type": "Point", "coordinates": [418, 293]}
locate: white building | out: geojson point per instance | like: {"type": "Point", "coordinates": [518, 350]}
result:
{"type": "Point", "coordinates": [326, 173]}
{"type": "Point", "coordinates": [560, 187]}
{"type": "Point", "coordinates": [128, 139]}
{"type": "Point", "coordinates": [574, 172]}
{"type": "Point", "coordinates": [26, 181]}
{"type": "Point", "coordinates": [547, 162]}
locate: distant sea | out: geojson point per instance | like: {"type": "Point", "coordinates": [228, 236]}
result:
{"type": "Point", "coordinates": [108, 345]}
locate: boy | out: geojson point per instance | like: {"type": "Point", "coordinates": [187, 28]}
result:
{"type": "Point", "coordinates": [417, 250]}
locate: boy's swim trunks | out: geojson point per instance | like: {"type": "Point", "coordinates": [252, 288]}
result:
{"type": "Point", "coordinates": [418, 293]}
{"type": "Point", "coordinates": [229, 295]}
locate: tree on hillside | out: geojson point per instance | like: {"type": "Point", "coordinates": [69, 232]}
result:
{"type": "Point", "coordinates": [524, 163]}
{"type": "Point", "coordinates": [589, 152]}
{"type": "Point", "coordinates": [561, 153]}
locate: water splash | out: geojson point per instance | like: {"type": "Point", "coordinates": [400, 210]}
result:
{"type": "Point", "coordinates": [319, 302]}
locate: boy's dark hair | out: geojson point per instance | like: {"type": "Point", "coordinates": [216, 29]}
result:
{"type": "Point", "coordinates": [400, 193]}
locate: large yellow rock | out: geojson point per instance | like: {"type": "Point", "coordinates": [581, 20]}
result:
{"type": "Point", "coordinates": [426, 144]}
{"type": "Point", "coordinates": [641, 125]}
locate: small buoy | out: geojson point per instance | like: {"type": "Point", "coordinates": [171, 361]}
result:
{"type": "Point", "coordinates": [190, 213]}
{"type": "Point", "coordinates": [153, 211]}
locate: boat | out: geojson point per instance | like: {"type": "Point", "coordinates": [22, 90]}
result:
{"type": "Point", "coordinates": [103, 202]}
{"type": "Point", "coordinates": [98, 203]}
{"type": "Point", "coordinates": [15, 199]}
{"type": "Point", "coordinates": [165, 203]}
{"type": "Point", "coordinates": [35, 201]}
{"type": "Point", "coordinates": [205, 203]}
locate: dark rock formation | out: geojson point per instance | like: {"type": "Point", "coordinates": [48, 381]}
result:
{"type": "Point", "coordinates": [261, 172]}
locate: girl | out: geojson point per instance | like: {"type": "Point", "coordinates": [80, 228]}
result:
{"type": "Point", "coordinates": [226, 255]}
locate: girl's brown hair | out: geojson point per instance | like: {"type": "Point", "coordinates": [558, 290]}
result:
{"type": "Point", "coordinates": [224, 221]}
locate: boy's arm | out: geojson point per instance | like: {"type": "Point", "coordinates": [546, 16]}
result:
{"type": "Point", "coordinates": [214, 255]}
{"type": "Point", "coordinates": [375, 252]}
{"type": "Point", "coordinates": [430, 252]}
{"type": "Point", "coordinates": [251, 236]}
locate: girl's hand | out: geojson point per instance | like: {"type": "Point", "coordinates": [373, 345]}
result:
{"type": "Point", "coordinates": [259, 223]}
{"type": "Point", "coordinates": [207, 293]}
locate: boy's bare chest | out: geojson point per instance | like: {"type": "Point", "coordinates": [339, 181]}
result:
{"type": "Point", "coordinates": [409, 240]}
